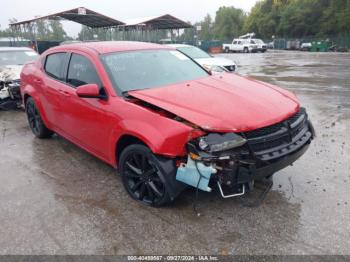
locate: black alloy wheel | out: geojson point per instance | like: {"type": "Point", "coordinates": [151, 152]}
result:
{"type": "Point", "coordinates": [35, 122]}
{"type": "Point", "coordinates": [141, 176]}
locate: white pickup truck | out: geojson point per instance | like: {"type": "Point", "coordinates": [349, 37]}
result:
{"type": "Point", "coordinates": [240, 45]}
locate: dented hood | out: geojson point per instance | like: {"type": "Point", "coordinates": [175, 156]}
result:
{"type": "Point", "coordinates": [224, 103]}
{"type": "Point", "coordinates": [10, 73]}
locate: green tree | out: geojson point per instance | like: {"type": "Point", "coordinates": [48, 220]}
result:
{"type": "Point", "coordinates": [57, 32]}
{"type": "Point", "coordinates": [43, 31]}
{"type": "Point", "coordinates": [8, 32]}
{"type": "Point", "coordinates": [299, 18]}
{"type": "Point", "coordinates": [87, 33]}
{"type": "Point", "coordinates": [187, 35]}
{"type": "Point", "coordinates": [228, 23]}
{"type": "Point", "coordinates": [206, 32]}
{"type": "Point", "coordinates": [336, 18]}
{"type": "Point", "coordinates": [265, 17]}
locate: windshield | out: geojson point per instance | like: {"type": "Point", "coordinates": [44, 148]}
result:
{"type": "Point", "coordinates": [16, 57]}
{"type": "Point", "coordinates": [193, 52]}
{"type": "Point", "coordinates": [137, 70]}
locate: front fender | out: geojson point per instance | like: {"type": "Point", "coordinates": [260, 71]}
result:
{"type": "Point", "coordinates": [163, 136]}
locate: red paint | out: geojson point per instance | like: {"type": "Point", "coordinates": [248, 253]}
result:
{"type": "Point", "coordinates": [90, 90]}
{"type": "Point", "coordinates": [223, 103]}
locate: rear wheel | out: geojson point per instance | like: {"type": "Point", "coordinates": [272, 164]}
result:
{"type": "Point", "coordinates": [227, 50]}
{"type": "Point", "coordinates": [35, 122]}
{"type": "Point", "coordinates": [246, 50]}
{"type": "Point", "coordinates": [141, 176]}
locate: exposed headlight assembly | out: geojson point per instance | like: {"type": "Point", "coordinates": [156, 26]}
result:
{"type": "Point", "coordinates": [203, 144]}
{"type": "Point", "coordinates": [216, 142]}
{"type": "Point", "coordinates": [14, 83]}
{"type": "Point", "coordinates": [14, 89]}
{"type": "Point", "coordinates": [214, 68]}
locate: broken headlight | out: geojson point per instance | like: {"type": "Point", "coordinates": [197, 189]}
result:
{"type": "Point", "coordinates": [214, 68]}
{"type": "Point", "coordinates": [216, 142]}
{"type": "Point", "coordinates": [202, 143]}
{"type": "Point", "coordinates": [14, 89]}
{"type": "Point", "coordinates": [15, 84]}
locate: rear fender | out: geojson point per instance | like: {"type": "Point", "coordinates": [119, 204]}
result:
{"type": "Point", "coordinates": [29, 91]}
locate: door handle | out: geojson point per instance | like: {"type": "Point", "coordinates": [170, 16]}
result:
{"type": "Point", "coordinates": [65, 93]}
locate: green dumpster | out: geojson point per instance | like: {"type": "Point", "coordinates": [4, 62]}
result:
{"type": "Point", "coordinates": [319, 46]}
{"type": "Point", "coordinates": [279, 44]}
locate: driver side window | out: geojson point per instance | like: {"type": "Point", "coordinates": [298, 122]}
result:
{"type": "Point", "coordinates": [81, 72]}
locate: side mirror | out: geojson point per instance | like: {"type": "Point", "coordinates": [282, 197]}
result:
{"type": "Point", "coordinates": [88, 91]}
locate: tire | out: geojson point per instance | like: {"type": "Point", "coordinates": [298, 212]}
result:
{"type": "Point", "coordinates": [140, 175]}
{"type": "Point", "coordinates": [270, 176]}
{"type": "Point", "coordinates": [246, 50]}
{"type": "Point", "coordinates": [227, 50]}
{"type": "Point", "coordinates": [35, 121]}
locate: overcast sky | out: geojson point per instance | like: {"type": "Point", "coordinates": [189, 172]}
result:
{"type": "Point", "coordinates": [188, 10]}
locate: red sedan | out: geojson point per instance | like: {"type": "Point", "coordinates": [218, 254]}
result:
{"type": "Point", "coordinates": [163, 120]}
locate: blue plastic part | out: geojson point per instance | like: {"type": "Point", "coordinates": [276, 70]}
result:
{"type": "Point", "coordinates": [189, 175]}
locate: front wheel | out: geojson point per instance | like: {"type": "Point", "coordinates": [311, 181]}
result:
{"type": "Point", "coordinates": [35, 122]}
{"type": "Point", "coordinates": [246, 50]}
{"type": "Point", "coordinates": [141, 176]}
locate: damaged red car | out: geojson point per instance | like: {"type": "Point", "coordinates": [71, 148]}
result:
{"type": "Point", "coordinates": [163, 120]}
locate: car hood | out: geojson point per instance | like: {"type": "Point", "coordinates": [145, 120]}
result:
{"type": "Point", "coordinates": [10, 73]}
{"type": "Point", "coordinates": [223, 103]}
{"type": "Point", "coordinates": [218, 61]}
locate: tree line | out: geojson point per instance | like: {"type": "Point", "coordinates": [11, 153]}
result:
{"type": "Point", "coordinates": [268, 18]}
{"type": "Point", "coordinates": [279, 18]}
{"type": "Point", "coordinates": [42, 29]}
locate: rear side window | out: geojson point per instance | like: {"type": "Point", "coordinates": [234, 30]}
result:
{"type": "Point", "coordinates": [235, 42]}
{"type": "Point", "coordinates": [81, 72]}
{"type": "Point", "coordinates": [54, 65]}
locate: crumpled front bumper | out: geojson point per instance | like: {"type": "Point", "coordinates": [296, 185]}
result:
{"type": "Point", "coordinates": [248, 174]}
{"type": "Point", "coordinates": [267, 151]}
{"type": "Point", "coordinates": [10, 96]}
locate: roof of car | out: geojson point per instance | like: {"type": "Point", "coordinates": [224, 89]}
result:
{"type": "Point", "coordinates": [5, 49]}
{"type": "Point", "coordinates": [111, 46]}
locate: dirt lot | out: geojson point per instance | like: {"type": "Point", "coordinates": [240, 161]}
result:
{"type": "Point", "coordinates": [57, 199]}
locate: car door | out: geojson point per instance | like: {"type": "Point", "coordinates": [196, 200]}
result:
{"type": "Point", "coordinates": [85, 120]}
{"type": "Point", "coordinates": [253, 42]}
{"type": "Point", "coordinates": [240, 45]}
{"type": "Point", "coordinates": [51, 84]}
{"type": "Point", "coordinates": [234, 46]}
